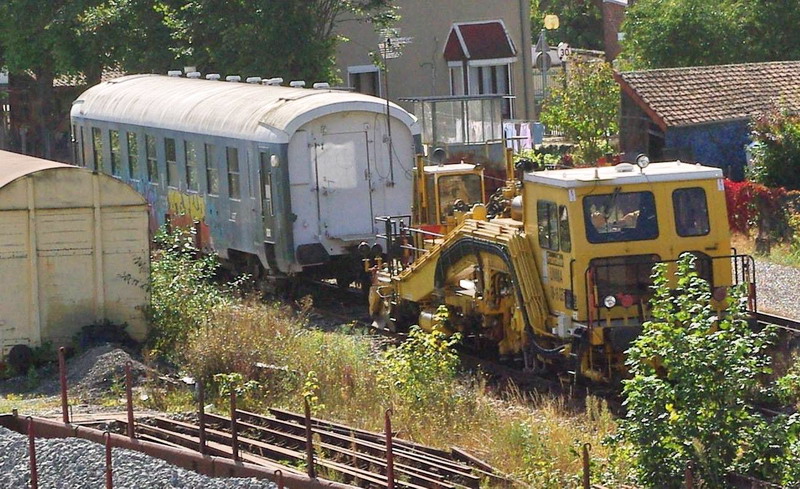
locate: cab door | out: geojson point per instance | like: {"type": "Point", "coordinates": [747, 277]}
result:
{"type": "Point", "coordinates": [267, 203]}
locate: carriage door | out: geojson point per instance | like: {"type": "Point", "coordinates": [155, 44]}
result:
{"type": "Point", "coordinates": [344, 191]}
{"type": "Point", "coordinates": [267, 203]}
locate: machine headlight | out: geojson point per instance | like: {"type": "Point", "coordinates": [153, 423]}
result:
{"type": "Point", "coordinates": [610, 301]}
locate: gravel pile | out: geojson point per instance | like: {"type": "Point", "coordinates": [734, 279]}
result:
{"type": "Point", "coordinates": [778, 289]}
{"type": "Point", "coordinates": [71, 463]}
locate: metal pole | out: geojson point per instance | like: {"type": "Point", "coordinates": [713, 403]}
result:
{"type": "Point", "coordinates": [279, 478]}
{"type": "Point", "coordinates": [389, 454]}
{"type": "Point", "coordinates": [234, 433]}
{"type": "Point", "coordinates": [32, 454]}
{"type": "Point", "coordinates": [62, 375]}
{"type": "Point", "coordinates": [201, 415]}
{"type": "Point", "coordinates": [309, 443]}
{"type": "Point", "coordinates": [109, 475]}
{"type": "Point", "coordinates": [129, 399]}
{"type": "Point", "coordinates": [587, 484]}
{"type": "Point", "coordinates": [388, 118]}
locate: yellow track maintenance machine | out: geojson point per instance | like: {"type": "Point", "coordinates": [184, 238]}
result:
{"type": "Point", "coordinates": [560, 277]}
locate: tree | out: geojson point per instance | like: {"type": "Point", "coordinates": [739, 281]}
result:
{"type": "Point", "coordinates": [776, 150]}
{"type": "Point", "coordinates": [288, 38]}
{"type": "Point", "coordinates": [580, 22]}
{"type": "Point", "coordinates": [695, 374]}
{"type": "Point", "coordinates": [586, 108]}
{"type": "Point", "coordinates": [675, 33]}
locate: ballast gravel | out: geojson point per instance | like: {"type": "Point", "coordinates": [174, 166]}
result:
{"type": "Point", "coordinates": [778, 288]}
{"type": "Point", "coordinates": [72, 463]}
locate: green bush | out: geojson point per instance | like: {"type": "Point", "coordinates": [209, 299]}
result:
{"type": "Point", "coordinates": [182, 294]}
{"type": "Point", "coordinates": [776, 152]}
{"type": "Point", "coordinates": [694, 376]}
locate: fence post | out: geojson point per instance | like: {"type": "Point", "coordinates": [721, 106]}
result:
{"type": "Point", "coordinates": [201, 415]}
{"type": "Point", "coordinates": [129, 400]}
{"type": "Point", "coordinates": [32, 454]}
{"type": "Point", "coordinates": [109, 475]}
{"type": "Point", "coordinates": [62, 375]}
{"type": "Point", "coordinates": [234, 428]}
{"type": "Point", "coordinates": [587, 483]}
{"type": "Point", "coordinates": [389, 453]}
{"type": "Point", "coordinates": [309, 442]}
{"type": "Point", "coordinates": [689, 476]}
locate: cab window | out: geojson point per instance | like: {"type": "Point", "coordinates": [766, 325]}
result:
{"type": "Point", "coordinates": [459, 192]}
{"type": "Point", "coordinates": [620, 216]}
{"type": "Point", "coordinates": [547, 218]}
{"type": "Point", "coordinates": [691, 211]}
{"type": "Point", "coordinates": [563, 229]}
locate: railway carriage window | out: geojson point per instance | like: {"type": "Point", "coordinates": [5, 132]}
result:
{"type": "Point", "coordinates": [563, 229]}
{"type": "Point", "coordinates": [113, 137]}
{"type": "Point", "coordinates": [190, 154]}
{"type": "Point", "coordinates": [97, 148]}
{"type": "Point", "coordinates": [691, 211]}
{"type": "Point", "coordinates": [82, 144]}
{"type": "Point", "coordinates": [232, 155]}
{"type": "Point", "coordinates": [152, 159]}
{"type": "Point", "coordinates": [620, 216]}
{"type": "Point", "coordinates": [212, 170]}
{"type": "Point", "coordinates": [133, 156]}
{"type": "Point", "coordinates": [170, 154]}
{"type": "Point", "coordinates": [547, 213]}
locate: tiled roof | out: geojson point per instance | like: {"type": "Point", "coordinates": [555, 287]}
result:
{"type": "Point", "coordinates": [478, 40]}
{"type": "Point", "coordinates": [704, 94]}
{"type": "Point", "coordinates": [80, 80]}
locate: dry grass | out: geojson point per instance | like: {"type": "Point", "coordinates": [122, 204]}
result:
{"type": "Point", "coordinates": [537, 439]}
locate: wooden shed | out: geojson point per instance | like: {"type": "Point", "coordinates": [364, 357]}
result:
{"type": "Point", "coordinates": [68, 240]}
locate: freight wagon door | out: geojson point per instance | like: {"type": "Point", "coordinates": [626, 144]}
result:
{"type": "Point", "coordinates": [343, 186]}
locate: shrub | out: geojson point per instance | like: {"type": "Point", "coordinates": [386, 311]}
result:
{"type": "Point", "coordinates": [182, 294]}
{"type": "Point", "coordinates": [693, 376]}
{"type": "Point", "coordinates": [776, 152]}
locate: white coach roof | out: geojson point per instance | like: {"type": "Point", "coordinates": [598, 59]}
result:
{"type": "Point", "coordinates": [220, 108]}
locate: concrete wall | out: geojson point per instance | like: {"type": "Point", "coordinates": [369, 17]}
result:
{"type": "Point", "coordinates": [421, 70]}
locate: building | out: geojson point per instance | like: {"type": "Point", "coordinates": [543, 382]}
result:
{"type": "Point", "coordinates": [456, 48]}
{"type": "Point", "coordinates": [74, 248]}
{"type": "Point", "coordinates": [701, 114]}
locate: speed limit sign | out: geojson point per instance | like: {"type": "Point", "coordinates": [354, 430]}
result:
{"type": "Point", "coordinates": [564, 51]}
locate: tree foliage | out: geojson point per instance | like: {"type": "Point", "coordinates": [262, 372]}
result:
{"type": "Point", "coordinates": [674, 33]}
{"type": "Point", "coordinates": [580, 22]}
{"type": "Point", "coordinates": [776, 152]}
{"type": "Point", "coordinates": [694, 376]}
{"type": "Point", "coordinates": [586, 109]}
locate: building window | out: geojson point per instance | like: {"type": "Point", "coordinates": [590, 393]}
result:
{"type": "Point", "coordinates": [171, 157]}
{"type": "Point", "coordinates": [97, 148]}
{"type": "Point", "coordinates": [191, 165]}
{"type": "Point", "coordinates": [364, 79]}
{"type": "Point", "coordinates": [212, 170]}
{"type": "Point", "coordinates": [116, 159]}
{"type": "Point", "coordinates": [152, 159]}
{"type": "Point", "coordinates": [133, 156]}
{"type": "Point", "coordinates": [232, 156]}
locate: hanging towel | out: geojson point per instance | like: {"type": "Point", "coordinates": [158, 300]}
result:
{"type": "Point", "coordinates": [525, 134]}
{"type": "Point", "coordinates": [510, 132]}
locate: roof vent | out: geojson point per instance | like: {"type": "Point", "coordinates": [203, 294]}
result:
{"type": "Point", "coordinates": [176, 73]}
{"type": "Point", "coordinates": [233, 78]}
{"type": "Point", "coordinates": [253, 79]}
{"type": "Point", "coordinates": [193, 74]}
{"type": "Point", "coordinates": [273, 81]}
{"type": "Point", "coordinates": [322, 85]}
{"type": "Point", "coordinates": [212, 76]}
{"type": "Point", "coordinates": [297, 83]}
